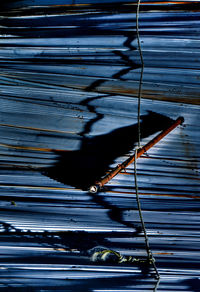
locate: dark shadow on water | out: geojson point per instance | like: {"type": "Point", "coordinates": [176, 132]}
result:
{"type": "Point", "coordinates": [81, 168]}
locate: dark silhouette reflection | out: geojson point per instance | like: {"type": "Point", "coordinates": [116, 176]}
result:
{"type": "Point", "coordinates": [82, 241]}
{"type": "Point", "coordinates": [81, 168]}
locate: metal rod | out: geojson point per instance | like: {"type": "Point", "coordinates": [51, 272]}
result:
{"type": "Point", "coordinates": [95, 188]}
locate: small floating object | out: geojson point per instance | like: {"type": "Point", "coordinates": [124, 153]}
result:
{"type": "Point", "coordinates": [104, 255]}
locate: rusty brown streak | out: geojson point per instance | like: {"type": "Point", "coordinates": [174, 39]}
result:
{"type": "Point", "coordinates": [31, 148]}
{"type": "Point", "coordinates": [36, 129]}
{"type": "Point", "coordinates": [154, 194]}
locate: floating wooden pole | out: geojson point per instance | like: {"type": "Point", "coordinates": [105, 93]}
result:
{"type": "Point", "coordinates": [96, 187]}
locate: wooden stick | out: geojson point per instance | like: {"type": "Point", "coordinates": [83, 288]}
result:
{"type": "Point", "coordinates": [95, 188]}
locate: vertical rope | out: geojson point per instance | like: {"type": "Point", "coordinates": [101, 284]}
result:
{"type": "Point", "coordinates": [148, 250]}
{"type": "Point", "coordinates": [140, 210]}
{"type": "Point", "coordinates": [142, 69]}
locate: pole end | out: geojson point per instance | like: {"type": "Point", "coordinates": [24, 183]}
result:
{"type": "Point", "coordinates": [181, 119]}
{"type": "Point", "coordinates": [94, 189]}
